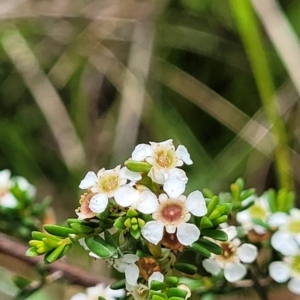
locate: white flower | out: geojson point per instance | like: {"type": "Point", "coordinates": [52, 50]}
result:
{"type": "Point", "coordinates": [126, 264]}
{"type": "Point", "coordinates": [289, 269]}
{"type": "Point", "coordinates": [258, 211]}
{"type": "Point", "coordinates": [105, 184]}
{"type": "Point", "coordinates": [232, 259]}
{"type": "Point", "coordinates": [92, 293]}
{"type": "Point", "coordinates": [164, 160]}
{"type": "Point", "coordinates": [287, 239]}
{"type": "Point", "coordinates": [7, 199]}
{"type": "Point", "coordinates": [172, 214]}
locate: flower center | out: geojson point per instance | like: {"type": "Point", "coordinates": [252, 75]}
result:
{"type": "Point", "coordinates": [171, 212]}
{"type": "Point", "coordinates": [228, 253]}
{"type": "Point", "coordinates": [295, 266]}
{"type": "Point", "coordinates": [164, 158]}
{"type": "Point", "coordinates": [294, 226]}
{"type": "Point", "coordinates": [257, 212]}
{"type": "Point", "coordinates": [109, 183]}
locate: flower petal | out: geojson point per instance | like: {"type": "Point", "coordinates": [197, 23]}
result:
{"type": "Point", "coordinates": [211, 266]}
{"type": "Point", "coordinates": [88, 181]}
{"type": "Point", "coordinates": [130, 175]}
{"type": "Point", "coordinates": [284, 243]}
{"type": "Point", "coordinates": [277, 219]}
{"type": "Point", "coordinates": [153, 231]}
{"type": "Point", "coordinates": [132, 274]}
{"type": "Point", "coordinates": [156, 175]}
{"type": "Point", "coordinates": [187, 233]}
{"type": "Point", "coordinates": [279, 271]}
{"type": "Point", "coordinates": [147, 203]}
{"type": "Point", "coordinates": [174, 188]}
{"type": "Point", "coordinates": [126, 195]}
{"type": "Point", "coordinates": [8, 200]}
{"type": "Point", "coordinates": [98, 203]}
{"type": "Point", "coordinates": [179, 174]}
{"type": "Point", "coordinates": [247, 253]}
{"type": "Point", "coordinates": [196, 204]}
{"type": "Point", "coordinates": [234, 271]}
{"type": "Point", "coordinates": [294, 285]}
{"type": "Point", "coordinates": [183, 154]}
{"type": "Point", "coordinates": [156, 276]}
{"type": "Point", "coordinates": [141, 151]}
{"type": "Point", "coordinates": [130, 258]}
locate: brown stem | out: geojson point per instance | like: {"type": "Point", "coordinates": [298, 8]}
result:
{"type": "Point", "coordinates": [73, 274]}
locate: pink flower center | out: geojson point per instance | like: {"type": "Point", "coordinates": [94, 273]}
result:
{"type": "Point", "coordinates": [229, 253]}
{"type": "Point", "coordinates": [172, 212]}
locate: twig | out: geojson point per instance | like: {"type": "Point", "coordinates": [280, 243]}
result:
{"type": "Point", "coordinates": [73, 274]}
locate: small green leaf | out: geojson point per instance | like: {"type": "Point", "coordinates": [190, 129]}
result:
{"type": "Point", "coordinates": [137, 166]}
{"type": "Point", "coordinates": [54, 254]}
{"type": "Point", "coordinates": [199, 249]}
{"type": "Point", "coordinates": [213, 202]}
{"type": "Point", "coordinates": [205, 223]}
{"type": "Point", "coordinates": [176, 292]}
{"type": "Point", "coordinates": [117, 285]}
{"type": "Point", "coordinates": [220, 220]}
{"type": "Point", "coordinates": [135, 233]}
{"type": "Point", "coordinates": [37, 235]}
{"type": "Point", "coordinates": [119, 223]}
{"type": "Point", "coordinates": [172, 280]}
{"type": "Point", "coordinates": [210, 246]}
{"type": "Point", "coordinates": [110, 239]}
{"type": "Point", "coordinates": [32, 252]}
{"type": "Point", "coordinates": [58, 230]}
{"type": "Point", "coordinates": [80, 228]}
{"type": "Point", "coordinates": [216, 234]}
{"type": "Point", "coordinates": [157, 285]}
{"type": "Point", "coordinates": [215, 214]}
{"type": "Point", "coordinates": [186, 268]}
{"type": "Point", "coordinates": [132, 213]}
{"type": "Point", "coordinates": [98, 248]}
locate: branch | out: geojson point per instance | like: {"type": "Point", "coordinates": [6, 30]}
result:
{"type": "Point", "coordinates": [73, 274]}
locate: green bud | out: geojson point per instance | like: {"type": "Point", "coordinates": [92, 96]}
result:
{"type": "Point", "coordinates": [51, 243]}
{"type": "Point", "coordinates": [37, 235]}
{"type": "Point", "coordinates": [136, 233]}
{"type": "Point", "coordinates": [137, 166]}
{"type": "Point", "coordinates": [214, 215]}
{"type": "Point", "coordinates": [84, 222]}
{"type": "Point", "coordinates": [186, 268]}
{"type": "Point", "coordinates": [235, 190]}
{"type": "Point", "coordinates": [132, 213]}
{"type": "Point", "coordinates": [141, 222]}
{"type": "Point", "coordinates": [127, 223]}
{"type": "Point", "coordinates": [54, 254]}
{"type": "Point", "coordinates": [32, 252]}
{"type": "Point", "coordinates": [157, 295]}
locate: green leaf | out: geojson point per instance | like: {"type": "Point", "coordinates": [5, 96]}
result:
{"type": "Point", "coordinates": [205, 223]}
{"type": "Point", "coordinates": [110, 239]}
{"type": "Point", "coordinates": [80, 228]}
{"type": "Point", "coordinates": [117, 285]}
{"type": "Point", "coordinates": [132, 213]}
{"type": "Point", "coordinates": [186, 268]}
{"type": "Point", "coordinates": [220, 220]}
{"type": "Point", "coordinates": [201, 250]}
{"type": "Point", "coordinates": [54, 254]}
{"type": "Point", "coordinates": [210, 246]}
{"type": "Point", "coordinates": [172, 280]}
{"type": "Point", "coordinates": [119, 223]}
{"type": "Point", "coordinates": [214, 201]}
{"type": "Point", "coordinates": [58, 230]}
{"type": "Point", "coordinates": [100, 247]}
{"type": "Point", "coordinates": [137, 166]}
{"type": "Point", "coordinates": [37, 235]}
{"type": "Point", "coordinates": [157, 285]}
{"type": "Point", "coordinates": [246, 194]}
{"type": "Point", "coordinates": [135, 233]}
{"type": "Point", "coordinates": [215, 214]}
{"type": "Point", "coordinates": [216, 234]}
{"type": "Point", "coordinates": [176, 292]}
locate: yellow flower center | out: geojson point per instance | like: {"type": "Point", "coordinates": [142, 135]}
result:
{"type": "Point", "coordinates": [109, 183]}
{"type": "Point", "coordinates": [294, 226]}
{"type": "Point", "coordinates": [257, 212]}
{"type": "Point", "coordinates": [164, 158]}
{"type": "Point", "coordinates": [295, 266]}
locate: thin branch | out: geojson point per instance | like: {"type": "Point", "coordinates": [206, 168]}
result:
{"type": "Point", "coordinates": [71, 273]}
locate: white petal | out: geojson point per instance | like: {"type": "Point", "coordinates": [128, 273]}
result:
{"type": "Point", "coordinates": [126, 195]}
{"type": "Point", "coordinates": [211, 266]}
{"type": "Point", "coordinates": [196, 204]}
{"type": "Point", "coordinates": [295, 213]}
{"type": "Point", "coordinates": [147, 203]}
{"type": "Point", "coordinates": [174, 188]}
{"type": "Point", "coordinates": [79, 296]}
{"type": "Point", "coordinates": [279, 271]}
{"type": "Point", "coordinates": [153, 231]}
{"type": "Point", "coordinates": [171, 228]}
{"type": "Point", "coordinates": [156, 276]}
{"type": "Point", "coordinates": [8, 200]}
{"type": "Point", "coordinates": [187, 233]}
{"type": "Point", "coordinates": [132, 274]}
{"type": "Point", "coordinates": [130, 175]}
{"type": "Point", "coordinates": [294, 285]}
{"type": "Point", "coordinates": [234, 271]}
{"type": "Point", "coordinates": [231, 232]}
{"type": "Point", "coordinates": [4, 178]}
{"type": "Point", "coordinates": [183, 154]}
{"type": "Point", "coordinates": [284, 243]}
{"type": "Point", "coordinates": [130, 258]}
{"type": "Point", "coordinates": [176, 173]}
{"type": "Point", "coordinates": [88, 181]}
{"type": "Point", "coordinates": [277, 219]}
{"type": "Point", "coordinates": [141, 151]}
{"type": "Point", "coordinates": [247, 253]}
{"type": "Point", "coordinates": [156, 175]}
{"type": "Point", "coordinates": [98, 203]}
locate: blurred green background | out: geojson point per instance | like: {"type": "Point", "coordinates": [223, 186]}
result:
{"type": "Point", "coordinates": [82, 82]}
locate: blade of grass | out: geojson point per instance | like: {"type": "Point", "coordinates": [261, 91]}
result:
{"type": "Point", "coordinates": [248, 28]}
